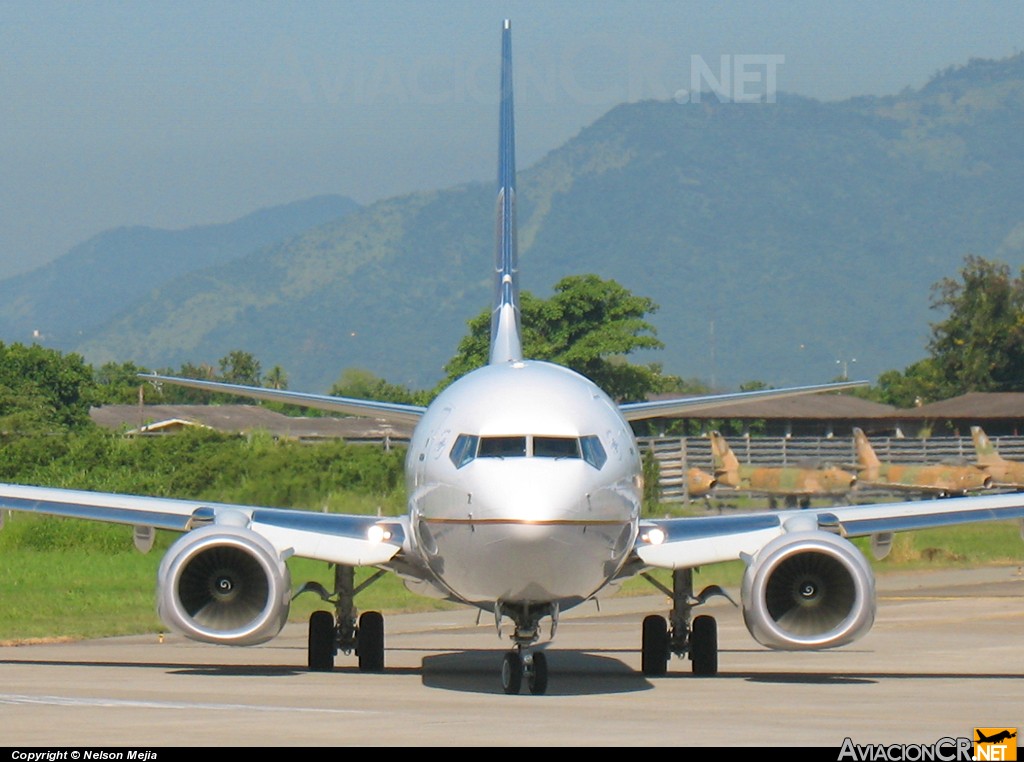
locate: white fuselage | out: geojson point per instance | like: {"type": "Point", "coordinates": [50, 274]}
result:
{"type": "Point", "coordinates": [524, 486]}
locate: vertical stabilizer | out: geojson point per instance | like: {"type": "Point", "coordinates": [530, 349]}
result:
{"type": "Point", "coordinates": [984, 449]}
{"type": "Point", "coordinates": [867, 461]}
{"type": "Point", "coordinates": [727, 466]}
{"type": "Point", "coordinates": [506, 344]}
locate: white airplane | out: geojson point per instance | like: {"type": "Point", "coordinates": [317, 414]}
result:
{"type": "Point", "coordinates": [524, 494]}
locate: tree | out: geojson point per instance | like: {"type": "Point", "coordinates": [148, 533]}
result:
{"type": "Point", "coordinates": [980, 345]}
{"type": "Point", "coordinates": [588, 324]}
{"type": "Point", "coordinates": [915, 385]}
{"type": "Point", "coordinates": [364, 385]}
{"type": "Point", "coordinates": [276, 378]}
{"type": "Point", "coordinates": [240, 367]}
{"type": "Point", "coordinates": [42, 388]}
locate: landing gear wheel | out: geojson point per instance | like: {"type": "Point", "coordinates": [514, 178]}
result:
{"type": "Point", "coordinates": [512, 673]}
{"type": "Point", "coordinates": [654, 646]}
{"type": "Point", "coordinates": [538, 676]}
{"type": "Point", "coordinates": [370, 642]}
{"type": "Point", "coordinates": [704, 646]}
{"type": "Point", "coordinates": [320, 654]}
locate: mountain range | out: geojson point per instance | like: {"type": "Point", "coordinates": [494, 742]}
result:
{"type": "Point", "coordinates": [786, 242]}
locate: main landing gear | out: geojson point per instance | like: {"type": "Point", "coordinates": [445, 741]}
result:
{"type": "Point", "coordinates": [523, 661]}
{"type": "Point", "coordinates": [341, 631]}
{"type": "Point", "coordinates": [697, 639]}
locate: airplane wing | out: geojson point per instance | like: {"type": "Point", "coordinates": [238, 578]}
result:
{"type": "Point", "coordinates": [336, 538]}
{"type": "Point", "coordinates": [636, 411]}
{"type": "Point", "coordinates": [389, 411]}
{"type": "Point", "coordinates": [690, 542]}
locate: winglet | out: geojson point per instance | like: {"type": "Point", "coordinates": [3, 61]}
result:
{"type": "Point", "coordinates": [506, 344]}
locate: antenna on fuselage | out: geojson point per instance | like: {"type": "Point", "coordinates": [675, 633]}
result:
{"type": "Point", "coordinates": [506, 345]}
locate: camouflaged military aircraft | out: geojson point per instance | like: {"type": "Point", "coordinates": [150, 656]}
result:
{"type": "Point", "coordinates": [942, 480]}
{"type": "Point", "coordinates": [795, 485]}
{"type": "Point", "coordinates": [1004, 473]}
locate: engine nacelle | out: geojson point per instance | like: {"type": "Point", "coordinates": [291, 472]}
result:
{"type": "Point", "coordinates": [808, 590]}
{"type": "Point", "coordinates": [224, 584]}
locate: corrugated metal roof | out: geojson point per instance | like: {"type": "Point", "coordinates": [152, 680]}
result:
{"type": "Point", "coordinates": [247, 418]}
{"type": "Point", "coordinates": [976, 405]}
{"type": "Point", "coordinates": [826, 407]}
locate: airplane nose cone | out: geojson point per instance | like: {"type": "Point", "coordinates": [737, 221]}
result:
{"type": "Point", "coordinates": [550, 529]}
{"type": "Point", "coordinates": [539, 494]}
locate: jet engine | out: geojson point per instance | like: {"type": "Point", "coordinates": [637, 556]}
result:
{"type": "Point", "coordinates": [224, 584]}
{"type": "Point", "coordinates": [808, 590]}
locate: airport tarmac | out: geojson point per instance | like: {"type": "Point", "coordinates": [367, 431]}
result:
{"type": "Point", "coordinates": [946, 655]}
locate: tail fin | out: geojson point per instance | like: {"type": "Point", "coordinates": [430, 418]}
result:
{"type": "Point", "coordinates": [506, 344]}
{"type": "Point", "coordinates": [727, 466]}
{"type": "Point", "coordinates": [983, 448]}
{"type": "Point", "coordinates": [866, 459]}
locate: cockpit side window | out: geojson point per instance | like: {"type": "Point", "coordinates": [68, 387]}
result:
{"type": "Point", "coordinates": [464, 449]}
{"type": "Point", "coordinates": [556, 447]}
{"type": "Point", "coordinates": [593, 451]}
{"type": "Point", "coordinates": [502, 447]}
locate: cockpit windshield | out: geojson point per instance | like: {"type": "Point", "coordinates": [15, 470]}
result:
{"type": "Point", "coordinates": [502, 447]}
{"type": "Point", "coordinates": [468, 447]}
{"type": "Point", "coordinates": [556, 447]}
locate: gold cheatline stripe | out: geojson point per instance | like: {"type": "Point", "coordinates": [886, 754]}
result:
{"type": "Point", "coordinates": [554, 522]}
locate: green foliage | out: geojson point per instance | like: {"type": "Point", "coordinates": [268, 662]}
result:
{"type": "Point", "coordinates": [980, 345]}
{"type": "Point", "coordinates": [82, 578]}
{"type": "Point", "coordinates": [119, 384]}
{"type": "Point", "coordinates": [364, 385]}
{"type": "Point", "coordinates": [49, 533]}
{"type": "Point", "coordinates": [276, 378]}
{"type": "Point", "coordinates": [203, 464]}
{"type": "Point", "coordinates": [238, 367]}
{"type": "Point", "coordinates": [171, 394]}
{"type": "Point", "coordinates": [915, 385]}
{"type": "Point", "coordinates": [652, 481]}
{"type": "Point", "coordinates": [590, 325]}
{"type": "Point", "coordinates": [42, 389]}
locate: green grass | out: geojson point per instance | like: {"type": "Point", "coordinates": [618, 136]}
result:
{"type": "Point", "coordinates": [73, 579]}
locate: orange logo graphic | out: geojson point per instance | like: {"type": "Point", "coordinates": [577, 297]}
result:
{"type": "Point", "coordinates": [995, 744]}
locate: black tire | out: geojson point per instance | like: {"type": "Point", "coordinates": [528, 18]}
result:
{"type": "Point", "coordinates": [704, 646]}
{"type": "Point", "coordinates": [320, 653]}
{"type": "Point", "coordinates": [370, 642]}
{"type": "Point", "coordinates": [538, 678]}
{"type": "Point", "coordinates": [654, 646]}
{"type": "Point", "coordinates": [512, 673]}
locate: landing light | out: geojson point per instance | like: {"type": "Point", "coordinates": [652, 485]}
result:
{"type": "Point", "coordinates": [377, 533]}
{"type": "Point", "coordinates": [655, 536]}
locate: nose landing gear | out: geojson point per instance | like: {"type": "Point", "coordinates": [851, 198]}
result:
{"type": "Point", "coordinates": [519, 663]}
{"type": "Point", "coordinates": [524, 661]}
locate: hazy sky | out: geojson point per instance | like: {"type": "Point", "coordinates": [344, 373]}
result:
{"type": "Point", "coordinates": [176, 114]}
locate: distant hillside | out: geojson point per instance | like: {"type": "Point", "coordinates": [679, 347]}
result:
{"type": "Point", "coordinates": [781, 240]}
{"type": "Point", "coordinates": [60, 303]}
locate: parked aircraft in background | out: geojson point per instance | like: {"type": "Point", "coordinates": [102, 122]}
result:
{"type": "Point", "coordinates": [795, 485]}
{"type": "Point", "coordinates": [939, 479]}
{"type": "Point", "coordinates": [1004, 473]}
{"type": "Point", "coordinates": [524, 494]}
